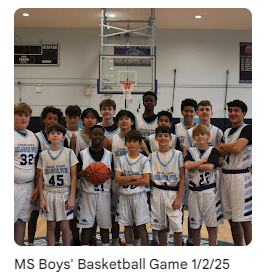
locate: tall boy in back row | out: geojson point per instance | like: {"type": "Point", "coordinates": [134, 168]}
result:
{"type": "Point", "coordinates": [235, 182]}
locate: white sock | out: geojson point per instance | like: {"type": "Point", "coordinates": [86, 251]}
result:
{"type": "Point", "coordinates": [105, 244]}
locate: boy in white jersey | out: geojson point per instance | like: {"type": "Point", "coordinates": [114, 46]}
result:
{"type": "Point", "coordinates": [204, 112]}
{"type": "Point", "coordinates": [73, 114]}
{"type": "Point", "coordinates": [235, 182]}
{"type": "Point", "coordinates": [57, 184]}
{"type": "Point", "coordinates": [188, 111]}
{"type": "Point", "coordinates": [50, 115]}
{"type": "Point", "coordinates": [164, 118]}
{"type": "Point", "coordinates": [133, 175]}
{"type": "Point", "coordinates": [80, 141]}
{"type": "Point", "coordinates": [147, 122]}
{"type": "Point", "coordinates": [203, 201]}
{"type": "Point", "coordinates": [168, 184]}
{"type": "Point", "coordinates": [95, 201]}
{"type": "Point", "coordinates": [25, 150]}
{"type": "Point", "coordinates": [107, 111]}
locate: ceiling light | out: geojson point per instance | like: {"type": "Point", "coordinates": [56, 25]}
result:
{"type": "Point", "coordinates": [26, 14]}
{"type": "Point", "coordinates": [112, 15]}
{"type": "Point", "coordinates": [198, 16]}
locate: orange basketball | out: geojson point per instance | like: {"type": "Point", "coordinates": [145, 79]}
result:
{"type": "Point", "coordinates": [98, 173]}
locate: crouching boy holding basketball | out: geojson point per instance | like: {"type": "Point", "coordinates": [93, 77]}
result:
{"type": "Point", "coordinates": [95, 201]}
{"type": "Point", "coordinates": [57, 184]}
{"type": "Point", "coordinates": [133, 175]}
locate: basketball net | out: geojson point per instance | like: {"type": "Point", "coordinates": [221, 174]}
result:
{"type": "Point", "coordinates": [127, 87]}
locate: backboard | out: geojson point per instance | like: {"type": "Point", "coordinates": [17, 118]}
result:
{"type": "Point", "coordinates": [140, 69]}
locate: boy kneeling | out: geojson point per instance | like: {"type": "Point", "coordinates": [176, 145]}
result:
{"type": "Point", "coordinates": [203, 201]}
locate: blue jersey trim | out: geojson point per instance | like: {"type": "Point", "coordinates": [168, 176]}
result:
{"type": "Point", "coordinates": [56, 157]}
{"type": "Point", "coordinates": [162, 164]}
{"type": "Point", "coordinates": [24, 136]}
{"type": "Point", "coordinates": [44, 138]}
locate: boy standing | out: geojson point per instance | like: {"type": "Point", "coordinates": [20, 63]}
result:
{"type": "Point", "coordinates": [203, 202]}
{"type": "Point", "coordinates": [73, 114]}
{"type": "Point", "coordinates": [133, 175]}
{"type": "Point", "coordinates": [164, 118]}
{"type": "Point", "coordinates": [57, 184]}
{"type": "Point", "coordinates": [107, 111]}
{"type": "Point", "coordinates": [95, 201]}
{"type": "Point", "coordinates": [235, 182]}
{"type": "Point", "coordinates": [168, 184]}
{"type": "Point", "coordinates": [147, 122]}
{"type": "Point", "coordinates": [25, 150]}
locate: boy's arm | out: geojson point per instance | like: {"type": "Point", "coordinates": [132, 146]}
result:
{"type": "Point", "coordinates": [194, 164]}
{"type": "Point", "coordinates": [73, 143]}
{"type": "Point", "coordinates": [71, 200]}
{"type": "Point", "coordinates": [40, 183]}
{"type": "Point", "coordinates": [206, 167]}
{"type": "Point", "coordinates": [177, 202]}
{"type": "Point", "coordinates": [125, 179]}
{"type": "Point", "coordinates": [144, 180]}
{"type": "Point", "coordinates": [236, 147]}
{"type": "Point", "coordinates": [105, 142]}
{"type": "Point", "coordinates": [221, 151]}
{"type": "Point", "coordinates": [144, 148]}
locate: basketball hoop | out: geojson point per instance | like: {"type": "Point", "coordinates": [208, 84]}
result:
{"type": "Point", "coordinates": [127, 87]}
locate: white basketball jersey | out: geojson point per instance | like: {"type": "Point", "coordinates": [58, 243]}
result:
{"type": "Point", "coordinates": [109, 134]}
{"type": "Point", "coordinates": [168, 173]}
{"type": "Point", "coordinates": [200, 178]}
{"type": "Point", "coordinates": [43, 141]}
{"type": "Point", "coordinates": [146, 129]}
{"type": "Point", "coordinates": [80, 142]}
{"type": "Point", "coordinates": [56, 168]}
{"type": "Point", "coordinates": [181, 132]}
{"type": "Point", "coordinates": [69, 135]}
{"type": "Point", "coordinates": [236, 161]}
{"type": "Point", "coordinates": [118, 147]}
{"type": "Point", "coordinates": [128, 167]}
{"type": "Point", "coordinates": [87, 159]}
{"type": "Point", "coordinates": [215, 137]}
{"type": "Point", "coordinates": [25, 151]}
{"type": "Point", "coordinates": [154, 144]}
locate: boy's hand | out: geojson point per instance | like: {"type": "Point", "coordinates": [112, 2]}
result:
{"type": "Point", "coordinates": [111, 174]}
{"type": "Point", "coordinates": [43, 205]}
{"type": "Point", "coordinates": [34, 195]}
{"type": "Point", "coordinates": [176, 204]}
{"type": "Point", "coordinates": [137, 176]}
{"type": "Point", "coordinates": [70, 204]}
{"type": "Point", "coordinates": [84, 174]}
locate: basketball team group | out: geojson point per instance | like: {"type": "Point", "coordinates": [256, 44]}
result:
{"type": "Point", "coordinates": [153, 171]}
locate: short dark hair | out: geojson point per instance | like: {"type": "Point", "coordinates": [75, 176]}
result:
{"type": "Point", "coordinates": [238, 103]}
{"type": "Point", "coordinates": [163, 129]}
{"type": "Point", "coordinates": [123, 113]}
{"type": "Point", "coordinates": [73, 110]}
{"type": "Point", "coordinates": [56, 127]}
{"type": "Point", "coordinates": [133, 135]}
{"type": "Point", "coordinates": [97, 126]}
{"type": "Point", "coordinates": [165, 113]}
{"type": "Point", "coordinates": [189, 102]}
{"type": "Point", "coordinates": [91, 111]}
{"type": "Point", "coordinates": [149, 93]}
{"type": "Point", "coordinates": [51, 109]}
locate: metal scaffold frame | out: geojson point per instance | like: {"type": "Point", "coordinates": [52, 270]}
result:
{"type": "Point", "coordinates": [139, 32]}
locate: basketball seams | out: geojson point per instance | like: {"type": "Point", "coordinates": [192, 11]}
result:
{"type": "Point", "coordinates": [93, 171]}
